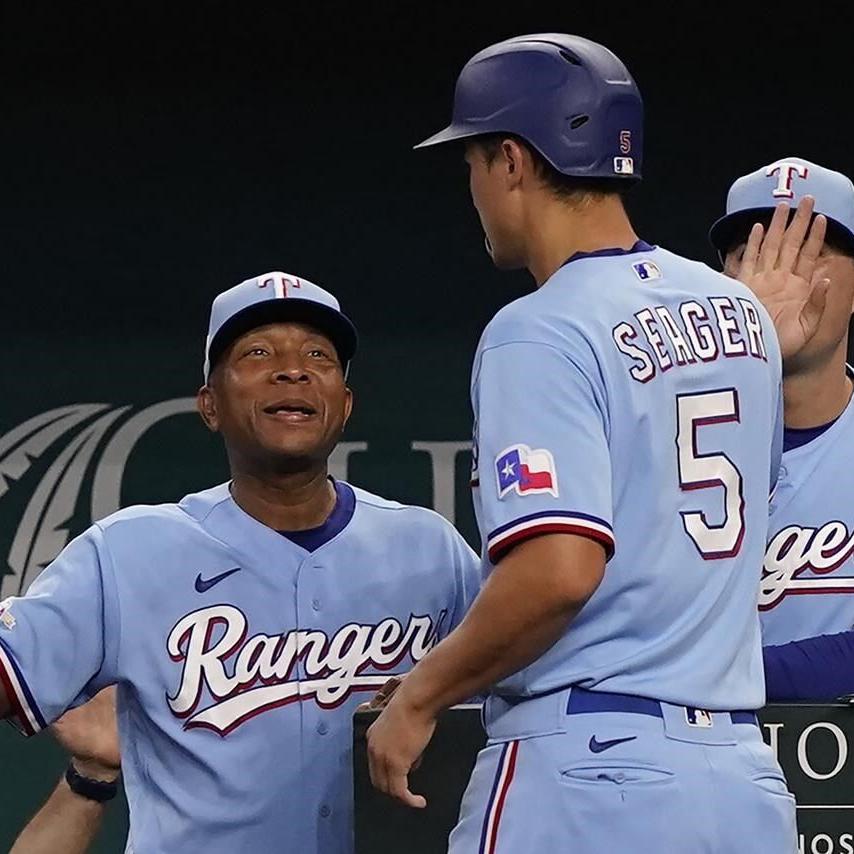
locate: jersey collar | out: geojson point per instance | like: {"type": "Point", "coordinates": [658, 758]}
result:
{"type": "Point", "coordinates": [339, 518]}
{"type": "Point", "coordinates": [640, 246]}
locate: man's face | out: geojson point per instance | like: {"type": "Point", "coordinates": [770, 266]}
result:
{"type": "Point", "coordinates": [497, 207]}
{"type": "Point", "coordinates": [833, 328]}
{"type": "Point", "coordinates": [278, 396]}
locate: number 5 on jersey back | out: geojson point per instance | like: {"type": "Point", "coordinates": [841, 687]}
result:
{"type": "Point", "coordinates": [704, 471]}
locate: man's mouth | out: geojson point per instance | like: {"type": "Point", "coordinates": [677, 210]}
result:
{"type": "Point", "coordinates": [293, 411]}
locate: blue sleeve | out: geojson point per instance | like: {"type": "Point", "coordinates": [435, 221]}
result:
{"type": "Point", "coordinates": [819, 669]}
{"type": "Point", "coordinates": [53, 653]}
{"type": "Point", "coordinates": [543, 458]}
{"type": "Point", "coordinates": [467, 572]}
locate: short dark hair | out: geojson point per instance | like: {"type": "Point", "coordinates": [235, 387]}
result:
{"type": "Point", "coordinates": [569, 187]}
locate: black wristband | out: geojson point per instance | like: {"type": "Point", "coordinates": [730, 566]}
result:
{"type": "Point", "coordinates": [93, 790]}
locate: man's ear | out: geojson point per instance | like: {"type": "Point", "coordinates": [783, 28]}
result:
{"type": "Point", "coordinates": [348, 406]}
{"type": "Point", "coordinates": [513, 156]}
{"type": "Point", "coordinates": [206, 404]}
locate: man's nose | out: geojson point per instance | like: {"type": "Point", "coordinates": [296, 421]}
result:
{"type": "Point", "coordinates": [290, 370]}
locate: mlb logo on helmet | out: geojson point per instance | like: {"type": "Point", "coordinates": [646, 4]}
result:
{"type": "Point", "coordinates": [624, 165]}
{"type": "Point", "coordinates": [646, 270]}
{"type": "Point", "coordinates": [526, 472]}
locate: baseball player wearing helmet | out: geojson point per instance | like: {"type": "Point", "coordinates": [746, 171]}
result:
{"type": "Point", "coordinates": [243, 625]}
{"type": "Point", "coordinates": [627, 415]}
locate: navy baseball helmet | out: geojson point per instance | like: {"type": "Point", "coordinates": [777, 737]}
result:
{"type": "Point", "coordinates": [571, 99]}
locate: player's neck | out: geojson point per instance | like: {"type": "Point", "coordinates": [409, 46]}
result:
{"type": "Point", "coordinates": [289, 502]}
{"type": "Point", "coordinates": [558, 230]}
{"type": "Point", "coordinates": [817, 396]}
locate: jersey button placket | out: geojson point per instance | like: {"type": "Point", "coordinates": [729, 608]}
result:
{"type": "Point", "coordinates": [325, 811]}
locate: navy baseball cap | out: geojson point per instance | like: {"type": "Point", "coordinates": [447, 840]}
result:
{"type": "Point", "coordinates": [752, 198]}
{"type": "Point", "coordinates": [271, 298]}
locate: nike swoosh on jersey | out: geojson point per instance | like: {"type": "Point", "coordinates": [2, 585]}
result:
{"type": "Point", "coordinates": [598, 746]}
{"type": "Point", "coordinates": [205, 584]}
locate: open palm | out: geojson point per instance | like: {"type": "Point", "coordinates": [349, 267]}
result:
{"type": "Point", "coordinates": [780, 266]}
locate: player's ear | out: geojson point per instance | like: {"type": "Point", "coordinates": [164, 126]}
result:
{"type": "Point", "coordinates": [513, 155]}
{"type": "Point", "coordinates": [206, 404]}
{"type": "Point", "coordinates": [348, 404]}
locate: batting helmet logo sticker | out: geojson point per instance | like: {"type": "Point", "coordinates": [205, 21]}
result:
{"type": "Point", "coordinates": [624, 166]}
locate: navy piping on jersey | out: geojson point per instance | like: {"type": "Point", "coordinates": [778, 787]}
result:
{"type": "Point", "coordinates": [640, 246]}
{"type": "Point", "coordinates": [794, 437]}
{"type": "Point", "coordinates": [339, 518]}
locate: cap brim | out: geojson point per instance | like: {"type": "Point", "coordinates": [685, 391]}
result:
{"type": "Point", "coordinates": [335, 325]}
{"type": "Point", "coordinates": [733, 229]}
{"type": "Point", "coordinates": [723, 232]}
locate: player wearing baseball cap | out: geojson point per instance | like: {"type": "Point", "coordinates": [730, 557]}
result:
{"type": "Point", "coordinates": [244, 624]}
{"type": "Point", "coordinates": [808, 577]}
{"type": "Point", "coordinates": [627, 429]}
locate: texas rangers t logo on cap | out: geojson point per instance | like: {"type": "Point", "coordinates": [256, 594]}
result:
{"type": "Point", "coordinates": [525, 471]}
{"type": "Point", "coordinates": [786, 171]}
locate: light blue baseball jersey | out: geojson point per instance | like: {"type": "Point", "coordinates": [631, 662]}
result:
{"type": "Point", "coordinates": [240, 658]}
{"type": "Point", "coordinates": [635, 399]}
{"type": "Point", "coordinates": [807, 584]}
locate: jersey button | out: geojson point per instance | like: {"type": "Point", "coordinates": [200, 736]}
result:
{"type": "Point", "coordinates": [325, 811]}
{"type": "Point", "coordinates": [322, 728]}
{"type": "Point", "coordinates": [315, 603]}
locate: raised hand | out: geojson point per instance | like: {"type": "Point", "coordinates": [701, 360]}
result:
{"type": "Point", "coordinates": [780, 266]}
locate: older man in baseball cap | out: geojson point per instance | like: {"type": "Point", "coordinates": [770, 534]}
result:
{"type": "Point", "coordinates": [244, 624]}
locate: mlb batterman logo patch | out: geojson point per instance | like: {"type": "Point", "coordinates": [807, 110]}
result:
{"type": "Point", "coordinates": [646, 270]}
{"type": "Point", "coordinates": [525, 472]}
{"type": "Point", "coordinates": [7, 621]}
{"type": "Point", "coordinates": [698, 717]}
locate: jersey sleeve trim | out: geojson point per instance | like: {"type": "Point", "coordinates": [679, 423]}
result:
{"type": "Point", "coordinates": [502, 539]}
{"type": "Point", "coordinates": [29, 719]}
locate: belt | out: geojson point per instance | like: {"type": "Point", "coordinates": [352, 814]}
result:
{"type": "Point", "coordinates": [582, 702]}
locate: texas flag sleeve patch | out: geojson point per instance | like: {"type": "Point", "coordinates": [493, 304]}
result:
{"type": "Point", "coordinates": [526, 472]}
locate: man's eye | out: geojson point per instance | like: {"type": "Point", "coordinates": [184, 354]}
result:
{"type": "Point", "coordinates": [256, 351]}
{"type": "Point", "coordinates": [318, 353]}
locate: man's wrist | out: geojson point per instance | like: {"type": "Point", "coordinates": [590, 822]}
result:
{"type": "Point", "coordinates": [415, 695]}
{"type": "Point", "coordinates": [90, 788]}
{"type": "Point", "coordinates": [92, 770]}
